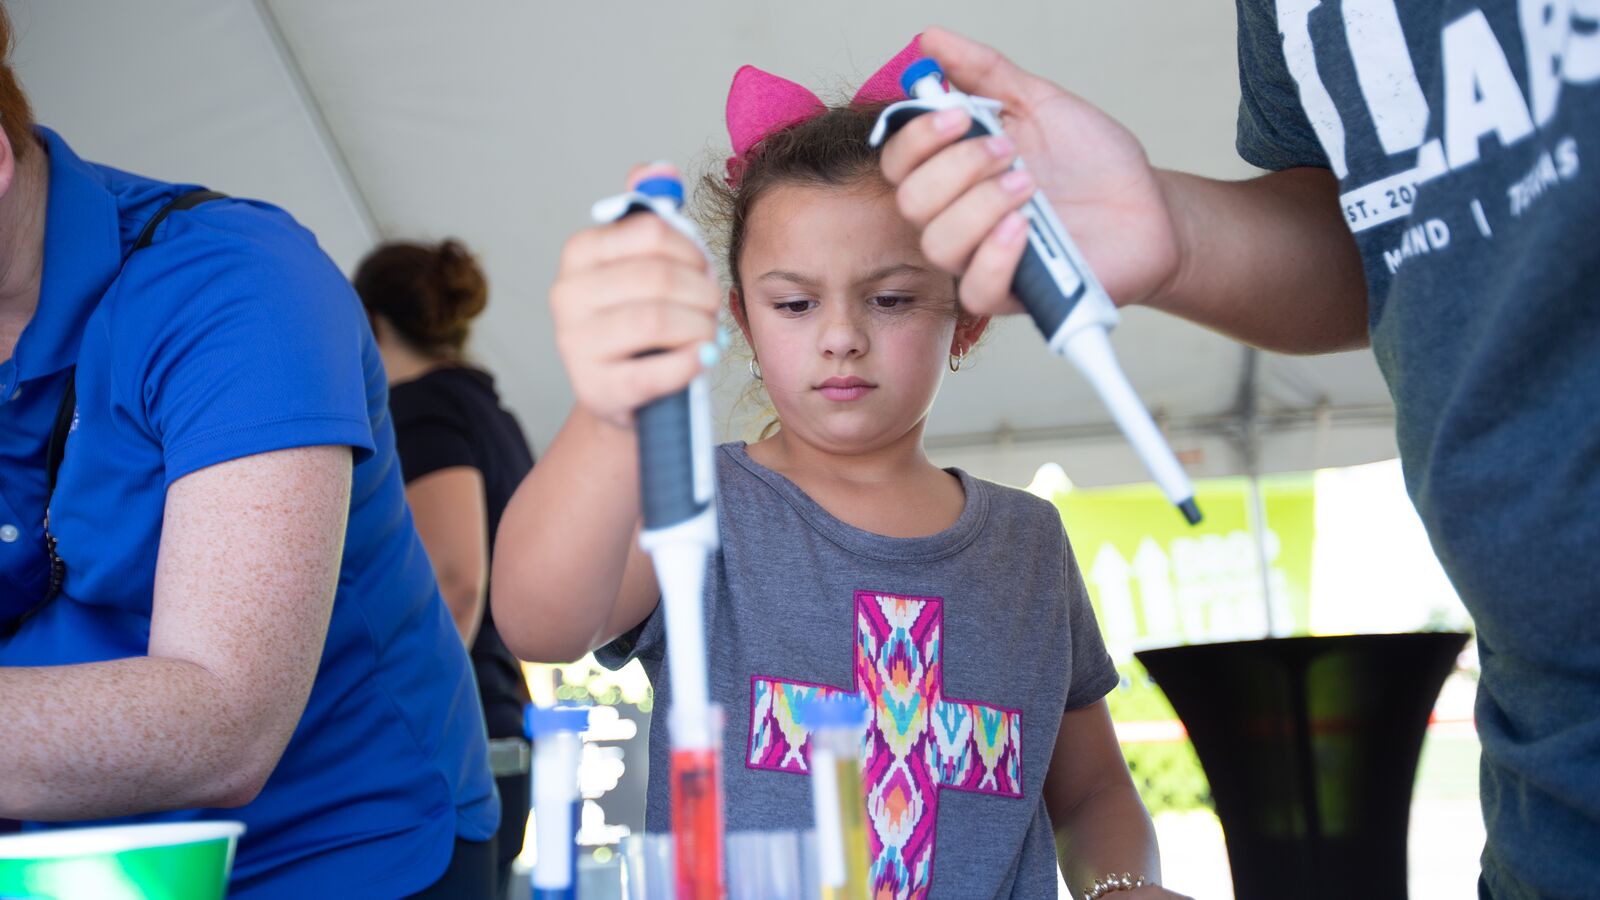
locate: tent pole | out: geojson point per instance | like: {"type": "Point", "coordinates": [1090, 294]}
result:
{"type": "Point", "coordinates": [1249, 443]}
{"type": "Point", "coordinates": [1258, 530]}
{"type": "Point", "coordinates": [319, 122]}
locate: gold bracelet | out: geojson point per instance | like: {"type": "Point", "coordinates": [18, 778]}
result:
{"type": "Point", "coordinates": [1112, 884]}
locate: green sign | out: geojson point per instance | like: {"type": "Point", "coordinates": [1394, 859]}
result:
{"type": "Point", "coordinates": [1157, 582]}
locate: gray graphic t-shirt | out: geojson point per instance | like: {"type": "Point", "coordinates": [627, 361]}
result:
{"type": "Point", "coordinates": [1466, 138]}
{"type": "Point", "coordinates": [968, 646]}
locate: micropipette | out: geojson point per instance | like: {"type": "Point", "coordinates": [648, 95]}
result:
{"type": "Point", "coordinates": [1055, 285]}
{"type": "Point", "coordinates": [676, 481]}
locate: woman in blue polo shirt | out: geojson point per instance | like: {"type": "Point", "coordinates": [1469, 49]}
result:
{"type": "Point", "coordinates": [247, 626]}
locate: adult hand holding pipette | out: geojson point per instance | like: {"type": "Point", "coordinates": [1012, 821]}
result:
{"type": "Point", "coordinates": [1052, 280]}
{"type": "Point", "coordinates": [1210, 251]}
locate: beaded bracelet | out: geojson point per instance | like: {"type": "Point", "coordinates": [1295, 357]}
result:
{"type": "Point", "coordinates": [1113, 883]}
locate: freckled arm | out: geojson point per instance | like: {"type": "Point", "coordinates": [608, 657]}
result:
{"type": "Point", "coordinates": [245, 578]}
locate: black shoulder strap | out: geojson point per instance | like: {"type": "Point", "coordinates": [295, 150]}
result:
{"type": "Point", "coordinates": [180, 202]}
{"type": "Point", "coordinates": [56, 448]}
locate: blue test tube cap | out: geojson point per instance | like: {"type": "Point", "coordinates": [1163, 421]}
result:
{"type": "Point", "coordinates": [919, 70]}
{"type": "Point", "coordinates": [539, 721]}
{"type": "Point", "coordinates": [844, 711]}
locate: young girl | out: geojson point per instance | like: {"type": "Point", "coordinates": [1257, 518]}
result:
{"type": "Point", "coordinates": [849, 563]}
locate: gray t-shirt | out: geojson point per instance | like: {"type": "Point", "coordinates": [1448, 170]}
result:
{"type": "Point", "coordinates": [1466, 137]}
{"type": "Point", "coordinates": [968, 644]}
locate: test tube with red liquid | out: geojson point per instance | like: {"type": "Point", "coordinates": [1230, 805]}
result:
{"type": "Point", "coordinates": [697, 802]}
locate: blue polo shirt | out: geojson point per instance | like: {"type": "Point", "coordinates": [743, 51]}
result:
{"type": "Point", "coordinates": [231, 335]}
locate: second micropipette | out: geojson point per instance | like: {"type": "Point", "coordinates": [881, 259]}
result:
{"type": "Point", "coordinates": [1056, 286]}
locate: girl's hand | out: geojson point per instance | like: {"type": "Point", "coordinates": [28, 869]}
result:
{"type": "Point", "coordinates": [964, 198]}
{"type": "Point", "coordinates": [623, 290]}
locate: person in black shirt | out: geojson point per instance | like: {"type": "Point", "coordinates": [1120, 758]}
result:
{"type": "Point", "coordinates": [462, 456]}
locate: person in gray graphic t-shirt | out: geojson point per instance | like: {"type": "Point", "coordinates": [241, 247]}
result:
{"type": "Point", "coordinates": [1435, 191]}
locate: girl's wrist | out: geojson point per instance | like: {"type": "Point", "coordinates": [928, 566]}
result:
{"type": "Point", "coordinates": [603, 427]}
{"type": "Point", "coordinates": [1112, 884]}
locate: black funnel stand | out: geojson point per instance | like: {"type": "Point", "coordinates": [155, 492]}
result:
{"type": "Point", "coordinates": [1311, 746]}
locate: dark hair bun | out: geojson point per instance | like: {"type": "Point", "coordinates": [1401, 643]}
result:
{"type": "Point", "coordinates": [430, 294]}
{"type": "Point", "coordinates": [463, 291]}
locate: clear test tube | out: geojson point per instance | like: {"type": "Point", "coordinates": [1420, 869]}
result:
{"type": "Point", "coordinates": [557, 736]}
{"type": "Point", "coordinates": [837, 726]}
{"type": "Point", "coordinates": [765, 865]}
{"type": "Point", "coordinates": [647, 867]}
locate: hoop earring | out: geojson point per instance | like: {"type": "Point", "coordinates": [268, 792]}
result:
{"type": "Point", "coordinates": [956, 359]}
{"type": "Point", "coordinates": [755, 369]}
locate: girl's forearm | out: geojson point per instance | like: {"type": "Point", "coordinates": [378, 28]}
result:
{"type": "Point", "coordinates": [1109, 832]}
{"type": "Point", "coordinates": [564, 542]}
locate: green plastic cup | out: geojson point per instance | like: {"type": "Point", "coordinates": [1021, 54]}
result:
{"type": "Point", "coordinates": [170, 861]}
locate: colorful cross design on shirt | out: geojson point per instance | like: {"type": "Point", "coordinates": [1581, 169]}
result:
{"type": "Point", "coordinates": [917, 743]}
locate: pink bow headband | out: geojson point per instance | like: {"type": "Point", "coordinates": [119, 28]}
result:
{"type": "Point", "coordinates": [760, 103]}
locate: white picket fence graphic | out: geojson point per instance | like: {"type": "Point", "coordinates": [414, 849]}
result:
{"type": "Point", "coordinates": [1193, 589]}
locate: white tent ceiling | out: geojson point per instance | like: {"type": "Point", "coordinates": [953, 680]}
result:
{"type": "Point", "coordinates": [499, 121]}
